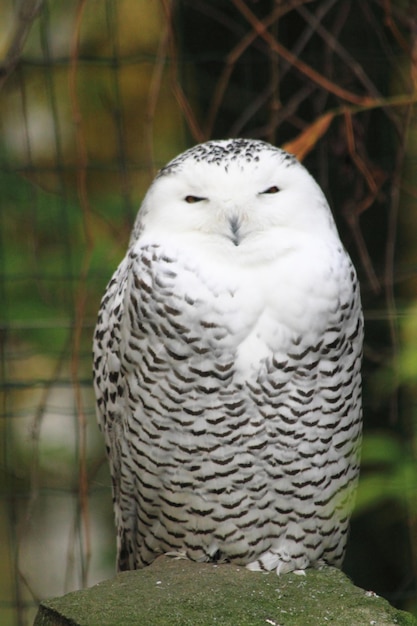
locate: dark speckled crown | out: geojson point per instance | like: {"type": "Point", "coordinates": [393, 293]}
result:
{"type": "Point", "coordinates": [224, 152]}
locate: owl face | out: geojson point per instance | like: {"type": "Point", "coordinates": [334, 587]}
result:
{"type": "Point", "coordinates": [235, 193]}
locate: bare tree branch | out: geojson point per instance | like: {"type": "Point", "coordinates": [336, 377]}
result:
{"type": "Point", "coordinates": [302, 67]}
{"type": "Point", "coordinates": [28, 12]}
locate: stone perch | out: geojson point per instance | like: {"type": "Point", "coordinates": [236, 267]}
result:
{"type": "Point", "coordinates": [174, 592]}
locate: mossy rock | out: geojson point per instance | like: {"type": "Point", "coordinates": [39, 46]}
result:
{"type": "Point", "coordinates": [182, 593]}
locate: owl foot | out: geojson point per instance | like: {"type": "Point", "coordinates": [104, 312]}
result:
{"type": "Point", "coordinates": [176, 554]}
{"type": "Point", "coordinates": [281, 562]}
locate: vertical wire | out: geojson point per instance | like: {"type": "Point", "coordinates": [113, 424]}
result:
{"type": "Point", "coordinates": [65, 230]}
{"type": "Point", "coordinates": [81, 292]}
{"type": "Point", "coordinates": [118, 111]}
{"type": "Point", "coordinates": [19, 524]}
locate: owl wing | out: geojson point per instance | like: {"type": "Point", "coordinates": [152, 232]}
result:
{"type": "Point", "coordinates": [110, 404]}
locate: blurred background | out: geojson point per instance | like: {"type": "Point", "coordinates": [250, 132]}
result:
{"type": "Point", "coordinates": [95, 96]}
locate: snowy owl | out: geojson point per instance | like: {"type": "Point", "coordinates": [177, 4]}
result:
{"type": "Point", "coordinates": [227, 360]}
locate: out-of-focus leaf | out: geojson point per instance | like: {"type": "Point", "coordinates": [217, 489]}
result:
{"type": "Point", "coordinates": [305, 142]}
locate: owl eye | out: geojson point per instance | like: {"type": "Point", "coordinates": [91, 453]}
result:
{"type": "Point", "coordinates": [273, 189]}
{"type": "Point", "coordinates": [192, 199]}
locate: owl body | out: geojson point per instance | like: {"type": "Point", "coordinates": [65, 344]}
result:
{"type": "Point", "coordinates": [227, 367]}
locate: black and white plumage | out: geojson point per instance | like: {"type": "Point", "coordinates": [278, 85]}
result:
{"type": "Point", "coordinates": [227, 362]}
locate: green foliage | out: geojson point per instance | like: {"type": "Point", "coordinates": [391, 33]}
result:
{"type": "Point", "coordinates": [389, 472]}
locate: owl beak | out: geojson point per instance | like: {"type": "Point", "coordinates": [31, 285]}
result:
{"type": "Point", "coordinates": [234, 235]}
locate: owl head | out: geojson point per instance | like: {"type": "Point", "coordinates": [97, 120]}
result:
{"type": "Point", "coordinates": [236, 194]}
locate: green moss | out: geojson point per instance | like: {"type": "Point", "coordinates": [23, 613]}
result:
{"type": "Point", "coordinates": [182, 593]}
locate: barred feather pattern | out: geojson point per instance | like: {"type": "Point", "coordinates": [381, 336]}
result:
{"type": "Point", "coordinates": [229, 394]}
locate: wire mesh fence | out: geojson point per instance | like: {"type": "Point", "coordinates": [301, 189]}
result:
{"type": "Point", "coordinates": [95, 96]}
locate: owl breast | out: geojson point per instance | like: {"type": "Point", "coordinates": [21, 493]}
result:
{"type": "Point", "coordinates": [241, 397]}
